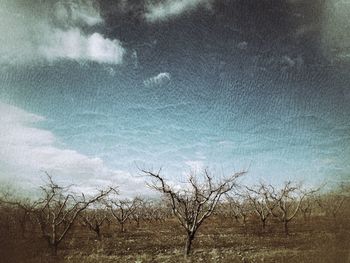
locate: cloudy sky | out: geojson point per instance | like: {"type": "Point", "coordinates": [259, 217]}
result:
{"type": "Point", "coordinates": [92, 90]}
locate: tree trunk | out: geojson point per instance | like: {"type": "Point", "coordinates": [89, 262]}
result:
{"type": "Point", "coordinates": [23, 228]}
{"type": "Point", "coordinates": [245, 224]}
{"type": "Point", "coordinates": [305, 216]}
{"type": "Point", "coordinates": [53, 248]}
{"type": "Point", "coordinates": [98, 233]}
{"type": "Point", "coordinates": [52, 241]}
{"type": "Point", "coordinates": [286, 230]}
{"type": "Point", "coordinates": [263, 225]}
{"type": "Point", "coordinates": [190, 237]}
{"type": "Point", "coordinates": [122, 228]}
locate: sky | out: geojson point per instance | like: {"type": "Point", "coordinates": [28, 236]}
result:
{"type": "Point", "coordinates": [92, 91]}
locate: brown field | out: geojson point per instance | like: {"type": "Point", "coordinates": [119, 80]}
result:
{"type": "Point", "coordinates": [219, 240]}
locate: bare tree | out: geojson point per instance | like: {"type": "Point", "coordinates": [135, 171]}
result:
{"type": "Point", "coordinates": [139, 212]}
{"type": "Point", "coordinates": [331, 203]}
{"type": "Point", "coordinates": [285, 203]}
{"type": "Point", "coordinates": [6, 220]}
{"type": "Point", "coordinates": [259, 200]}
{"type": "Point", "coordinates": [22, 208]}
{"type": "Point", "coordinates": [335, 202]}
{"type": "Point", "coordinates": [94, 220]}
{"type": "Point", "coordinates": [57, 210]}
{"type": "Point", "coordinates": [307, 206]}
{"type": "Point", "coordinates": [157, 211]}
{"type": "Point", "coordinates": [239, 208]}
{"type": "Point", "coordinates": [122, 210]}
{"type": "Point", "coordinates": [150, 211]}
{"type": "Point", "coordinates": [194, 205]}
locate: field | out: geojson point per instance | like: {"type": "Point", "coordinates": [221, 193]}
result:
{"type": "Point", "coordinates": [319, 239]}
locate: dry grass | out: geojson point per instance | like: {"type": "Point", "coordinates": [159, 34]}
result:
{"type": "Point", "coordinates": [217, 241]}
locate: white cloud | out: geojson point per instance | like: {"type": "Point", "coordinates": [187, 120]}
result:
{"type": "Point", "coordinates": [77, 12]}
{"type": "Point", "coordinates": [41, 32]}
{"type": "Point", "coordinates": [26, 151]}
{"type": "Point", "coordinates": [74, 45]}
{"type": "Point", "coordinates": [170, 8]}
{"type": "Point", "coordinates": [159, 80]}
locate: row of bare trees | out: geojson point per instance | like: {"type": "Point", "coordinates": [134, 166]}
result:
{"type": "Point", "coordinates": [284, 204]}
{"type": "Point", "coordinates": [55, 211]}
{"type": "Point", "coordinates": [59, 209]}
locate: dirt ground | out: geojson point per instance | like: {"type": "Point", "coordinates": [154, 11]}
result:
{"type": "Point", "coordinates": [218, 240]}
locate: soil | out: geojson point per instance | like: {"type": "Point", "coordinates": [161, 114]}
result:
{"type": "Point", "coordinates": [218, 240]}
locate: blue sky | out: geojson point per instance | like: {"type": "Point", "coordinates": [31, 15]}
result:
{"type": "Point", "coordinates": [89, 97]}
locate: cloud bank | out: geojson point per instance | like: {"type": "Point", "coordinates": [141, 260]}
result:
{"type": "Point", "coordinates": [171, 8]}
{"type": "Point", "coordinates": [53, 31]}
{"type": "Point", "coordinates": [26, 151]}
